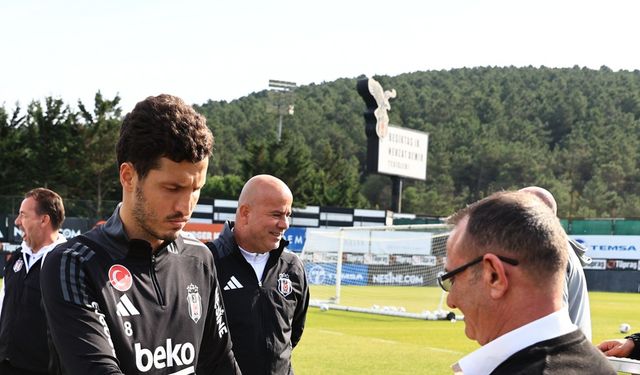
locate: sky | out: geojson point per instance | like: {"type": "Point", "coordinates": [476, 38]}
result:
{"type": "Point", "coordinates": [205, 50]}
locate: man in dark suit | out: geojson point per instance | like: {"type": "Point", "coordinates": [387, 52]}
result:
{"type": "Point", "coordinates": [506, 262]}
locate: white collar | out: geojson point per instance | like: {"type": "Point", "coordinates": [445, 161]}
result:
{"type": "Point", "coordinates": [257, 261]}
{"type": "Point", "coordinates": [254, 257]}
{"type": "Point", "coordinates": [484, 360]}
{"type": "Point", "coordinates": [30, 257]}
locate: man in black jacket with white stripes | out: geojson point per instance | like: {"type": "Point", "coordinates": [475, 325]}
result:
{"type": "Point", "coordinates": [264, 286]}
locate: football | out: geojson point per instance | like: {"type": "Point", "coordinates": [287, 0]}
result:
{"type": "Point", "coordinates": [624, 328]}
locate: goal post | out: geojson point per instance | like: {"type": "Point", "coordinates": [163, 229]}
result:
{"type": "Point", "coordinates": [388, 270]}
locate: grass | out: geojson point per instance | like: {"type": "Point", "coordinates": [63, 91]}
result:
{"type": "Point", "coordinates": [345, 343]}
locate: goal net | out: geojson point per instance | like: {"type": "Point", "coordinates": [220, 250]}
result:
{"type": "Point", "coordinates": [388, 270]}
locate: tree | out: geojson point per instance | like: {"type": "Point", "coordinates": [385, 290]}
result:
{"type": "Point", "coordinates": [53, 156]}
{"type": "Point", "coordinates": [223, 187]}
{"type": "Point", "coordinates": [289, 160]}
{"type": "Point", "coordinates": [100, 134]}
{"type": "Point", "coordinates": [572, 131]}
{"type": "Point", "coordinates": [338, 180]}
{"type": "Point", "coordinates": [13, 153]}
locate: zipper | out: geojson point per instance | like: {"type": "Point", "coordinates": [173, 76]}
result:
{"type": "Point", "coordinates": [154, 279]}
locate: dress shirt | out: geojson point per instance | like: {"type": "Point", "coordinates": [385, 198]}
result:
{"type": "Point", "coordinates": [484, 360]}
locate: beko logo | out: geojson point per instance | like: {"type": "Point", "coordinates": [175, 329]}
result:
{"type": "Point", "coordinates": [164, 356]}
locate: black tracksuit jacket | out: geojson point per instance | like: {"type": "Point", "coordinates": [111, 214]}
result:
{"type": "Point", "coordinates": [266, 318]}
{"type": "Point", "coordinates": [113, 306]}
{"type": "Point", "coordinates": [23, 328]}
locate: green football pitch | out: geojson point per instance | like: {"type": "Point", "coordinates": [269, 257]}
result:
{"type": "Point", "coordinates": [338, 342]}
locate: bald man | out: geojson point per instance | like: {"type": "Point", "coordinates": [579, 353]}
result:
{"type": "Point", "coordinates": [265, 289]}
{"type": "Point", "coordinates": [575, 294]}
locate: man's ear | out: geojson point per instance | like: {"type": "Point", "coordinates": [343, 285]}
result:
{"type": "Point", "coordinates": [46, 219]}
{"type": "Point", "coordinates": [127, 176]}
{"type": "Point", "coordinates": [243, 211]}
{"type": "Point", "coordinates": [494, 276]}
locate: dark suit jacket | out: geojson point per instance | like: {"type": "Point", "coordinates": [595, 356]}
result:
{"type": "Point", "coordinates": [564, 355]}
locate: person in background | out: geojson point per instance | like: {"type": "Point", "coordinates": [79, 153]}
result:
{"type": "Point", "coordinates": [23, 329]}
{"type": "Point", "coordinates": [265, 289]}
{"type": "Point", "coordinates": [135, 295]}
{"type": "Point", "coordinates": [505, 270]}
{"type": "Point", "coordinates": [575, 294]}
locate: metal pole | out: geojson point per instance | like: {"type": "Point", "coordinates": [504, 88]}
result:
{"type": "Point", "coordinates": [396, 194]}
{"type": "Point", "coordinates": [339, 268]}
{"type": "Point", "coordinates": [284, 89]}
{"type": "Point", "coordinates": [279, 125]}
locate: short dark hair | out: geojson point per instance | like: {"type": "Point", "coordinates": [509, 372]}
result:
{"type": "Point", "coordinates": [516, 224]}
{"type": "Point", "coordinates": [48, 202]}
{"type": "Point", "coordinates": [163, 126]}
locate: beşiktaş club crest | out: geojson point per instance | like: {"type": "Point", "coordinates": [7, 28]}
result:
{"type": "Point", "coordinates": [195, 302]}
{"type": "Point", "coordinates": [17, 266]}
{"type": "Point", "coordinates": [284, 284]}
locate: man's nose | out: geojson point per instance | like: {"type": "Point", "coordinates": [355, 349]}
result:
{"type": "Point", "coordinates": [183, 205]}
{"type": "Point", "coordinates": [450, 302]}
{"type": "Point", "coordinates": [284, 223]}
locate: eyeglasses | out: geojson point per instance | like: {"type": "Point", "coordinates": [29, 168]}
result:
{"type": "Point", "coordinates": [445, 279]}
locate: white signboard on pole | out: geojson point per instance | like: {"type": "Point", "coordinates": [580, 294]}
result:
{"type": "Point", "coordinates": [403, 152]}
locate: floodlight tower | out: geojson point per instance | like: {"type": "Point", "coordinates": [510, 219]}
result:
{"type": "Point", "coordinates": [285, 90]}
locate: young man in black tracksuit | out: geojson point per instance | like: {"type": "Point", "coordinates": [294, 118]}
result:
{"type": "Point", "coordinates": [264, 286]}
{"type": "Point", "coordinates": [135, 296]}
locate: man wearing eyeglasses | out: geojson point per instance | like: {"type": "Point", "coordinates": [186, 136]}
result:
{"type": "Point", "coordinates": [505, 266]}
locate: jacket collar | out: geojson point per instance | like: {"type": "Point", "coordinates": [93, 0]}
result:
{"type": "Point", "coordinates": [135, 248]}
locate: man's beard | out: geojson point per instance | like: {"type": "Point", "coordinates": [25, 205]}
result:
{"type": "Point", "coordinates": [145, 218]}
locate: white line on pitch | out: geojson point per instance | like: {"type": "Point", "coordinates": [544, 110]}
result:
{"type": "Point", "coordinates": [385, 341]}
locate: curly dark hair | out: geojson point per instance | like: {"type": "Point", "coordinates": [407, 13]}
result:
{"type": "Point", "coordinates": [163, 126]}
{"type": "Point", "coordinates": [48, 202]}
